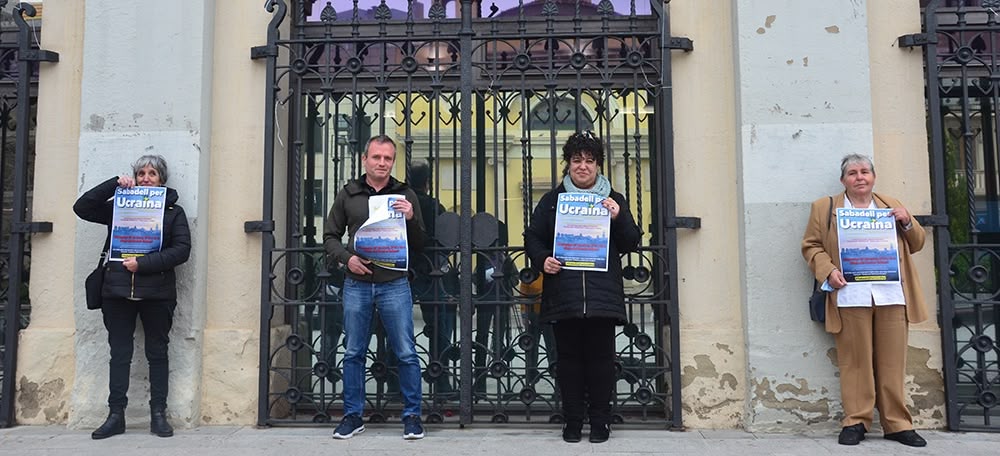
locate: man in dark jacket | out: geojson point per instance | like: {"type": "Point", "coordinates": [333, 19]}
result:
{"type": "Point", "coordinates": [368, 286]}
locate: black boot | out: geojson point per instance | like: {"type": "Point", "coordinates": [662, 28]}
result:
{"type": "Point", "coordinates": [599, 432]}
{"type": "Point", "coordinates": [572, 431]}
{"type": "Point", "coordinates": [158, 423]}
{"type": "Point", "coordinates": [113, 425]}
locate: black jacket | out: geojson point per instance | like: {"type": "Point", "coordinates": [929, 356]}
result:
{"type": "Point", "coordinates": [155, 278]}
{"type": "Point", "coordinates": [581, 294]}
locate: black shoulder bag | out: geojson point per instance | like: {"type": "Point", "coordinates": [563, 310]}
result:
{"type": "Point", "coordinates": [95, 280]}
{"type": "Point", "coordinates": [817, 301]}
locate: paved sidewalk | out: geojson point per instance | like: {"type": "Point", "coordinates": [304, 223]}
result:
{"type": "Point", "coordinates": [387, 440]}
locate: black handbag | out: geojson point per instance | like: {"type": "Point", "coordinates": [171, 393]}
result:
{"type": "Point", "coordinates": [817, 301]}
{"type": "Point", "coordinates": [95, 280]}
{"type": "Point", "coordinates": [817, 304]}
{"type": "Point", "coordinates": [94, 284]}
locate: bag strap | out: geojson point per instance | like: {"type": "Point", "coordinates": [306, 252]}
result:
{"type": "Point", "coordinates": [104, 252]}
{"type": "Point", "coordinates": [828, 214]}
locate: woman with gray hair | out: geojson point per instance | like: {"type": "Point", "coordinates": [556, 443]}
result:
{"type": "Point", "coordinates": [869, 320]}
{"type": "Point", "coordinates": [142, 286]}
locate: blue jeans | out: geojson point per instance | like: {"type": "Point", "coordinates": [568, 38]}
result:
{"type": "Point", "coordinates": [395, 309]}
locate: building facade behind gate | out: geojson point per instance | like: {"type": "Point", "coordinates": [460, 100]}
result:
{"type": "Point", "coordinates": [720, 146]}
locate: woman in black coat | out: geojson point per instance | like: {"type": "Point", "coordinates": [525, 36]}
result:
{"type": "Point", "coordinates": [139, 286]}
{"type": "Point", "coordinates": [585, 306]}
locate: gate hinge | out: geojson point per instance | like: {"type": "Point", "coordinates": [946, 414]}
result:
{"type": "Point", "coordinates": [258, 226]}
{"type": "Point", "coordinates": [31, 227]}
{"type": "Point", "coordinates": [917, 39]}
{"type": "Point", "coordinates": [261, 52]}
{"type": "Point", "coordinates": [932, 220]}
{"type": "Point", "coordinates": [691, 223]}
{"type": "Point", "coordinates": [680, 42]}
{"type": "Point", "coordinates": [39, 55]}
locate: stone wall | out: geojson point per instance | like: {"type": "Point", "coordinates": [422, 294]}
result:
{"type": "Point", "coordinates": [773, 95]}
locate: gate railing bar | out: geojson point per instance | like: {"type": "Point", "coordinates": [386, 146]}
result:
{"type": "Point", "coordinates": [465, 217]}
{"type": "Point", "coordinates": [666, 134]}
{"type": "Point", "coordinates": [942, 236]}
{"type": "Point", "coordinates": [265, 226]}
{"type": "Point", "coordinates": [20, 228]}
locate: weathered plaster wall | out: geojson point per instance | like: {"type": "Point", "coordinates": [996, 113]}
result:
{"type": "Point", "coordinates": [764, 108]}
{"type": "Point", "coordinates": [713, 362]}
{"type": "Point", "coordinates": [818, 80]}
{"type": "Point", "coordinates": [805, 101]}
{"type": "Point", "coordinates": [146, 88]}
{"type": "Point", "coordinates": [229, 379]}
{"type": "Point", "coordinates": [46, 369]}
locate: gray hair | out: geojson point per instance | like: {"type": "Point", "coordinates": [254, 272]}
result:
{"type": "Point", "coordinates": [854, 159]}
{"type": "Point", "coordinates": [156, 161]}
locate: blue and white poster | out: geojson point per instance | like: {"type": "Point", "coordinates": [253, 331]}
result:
{"type": "Point", "coordinates": [582, 232]}
{"type": "Point", "coordinates": [869, 249]}
{"type": "Point", "coordinates": [382, 238]}
{"type": "Point", "coordinates": [137, 222]}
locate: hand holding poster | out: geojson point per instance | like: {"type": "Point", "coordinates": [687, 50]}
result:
{"type": "Point", "coordinates": [869, 250]}
{"type": "Point", "coordinates": [382, 238]}
{"type": "Point", "coordinates": [137, 222]}
{"type": "Point", "coordinates": [582, 232]}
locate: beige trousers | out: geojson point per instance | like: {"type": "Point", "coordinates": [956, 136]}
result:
{"type": "Point", "coordinates": [871, 355]}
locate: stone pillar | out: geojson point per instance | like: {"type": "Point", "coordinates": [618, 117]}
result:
{"type": "Point", "coordinates": [900, 134]}
{"type": "Point", "coordinates": [229, 378]}
{"type": "Point", "coordinates": [46, 365]}
{"type": "Point", "coordinates": [807, 73]}
{"type": "Point", "coordinates": [146, 88]}
{"type": "Point", "coordinates": [713, 362]}
{"type": "Point", "coordinates": [804, 95]}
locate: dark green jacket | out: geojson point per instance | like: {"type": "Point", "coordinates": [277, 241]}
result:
{"type": "Point", "coordinates": [350, 211]}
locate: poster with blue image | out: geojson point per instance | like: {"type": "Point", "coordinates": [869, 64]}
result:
{"type": "Point", "coordinates": [382, 238]}
{"type": "Point", "coordinates": [137, 221]}
{"type": "Point", "coordinates": [869, 248]}
{"type": "Point", "coordinates": [582, 232]}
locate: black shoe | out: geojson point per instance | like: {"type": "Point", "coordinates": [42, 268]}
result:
{"type": "Point", "coordinates": [413, 429]}
{"type": "Point", "coordinates": [908, 438]}
{"type": "Point", "coordinates": [852, 435]}
{"type": "Point", "coordinates": [113, 425]}
{"type": "Point", "coordinates": [572, 432]}
{"type": "Point", "coordinates": [350, 426]}
{"type": "Point", "coordinates": [599, 433]}
{"type": "Point", "coordinates": [158, 423]}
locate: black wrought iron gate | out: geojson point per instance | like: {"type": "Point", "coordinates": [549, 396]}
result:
{"type": "Point", "coordinates": [962, 63]}
{"type": "Point", "coordinates": [19, 57]}
{"type": "Point", "coordinates": [484, 96]}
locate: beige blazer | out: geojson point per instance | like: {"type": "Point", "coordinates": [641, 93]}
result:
{"type": "Point", "coordinates": [820, 247]}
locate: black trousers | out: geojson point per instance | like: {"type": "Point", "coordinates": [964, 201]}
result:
{"type": "Point", "coordinates": [585, 372]}
{"type": "Point", "coordinates": [157, 318]}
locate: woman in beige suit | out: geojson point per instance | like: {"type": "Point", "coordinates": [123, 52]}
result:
{"type": "Point", "coordinates": [869, 321]}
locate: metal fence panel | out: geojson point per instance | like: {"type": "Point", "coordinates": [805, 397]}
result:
{"type": "Point", "coordinates": [486, 103]}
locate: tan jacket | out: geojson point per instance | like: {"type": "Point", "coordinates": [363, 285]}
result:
{"type": "Point", "coordinates": [818, 243]}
